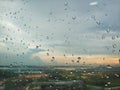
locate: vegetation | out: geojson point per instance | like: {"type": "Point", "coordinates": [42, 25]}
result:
{"type": "Point", "coordinates": [7, 74]}
{"type": "Point", "coordinates": [93, 80]}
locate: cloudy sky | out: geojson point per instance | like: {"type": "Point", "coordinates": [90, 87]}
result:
{"type": "Point", "coordinates": [41, 32]}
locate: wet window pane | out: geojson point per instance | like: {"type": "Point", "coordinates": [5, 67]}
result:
{"type": "Point", "coordinates": [59, 45]}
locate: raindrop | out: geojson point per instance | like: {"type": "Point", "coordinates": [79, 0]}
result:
{"type": "Point", "coordinates": [103, 58]}
{"type": "Point", "coordinates": [14, 13]}
{"type": "Point", "coordinates": [98, 22]}
{"type": "Point", "coordinates": [78, 61]}
{"type": "Point", "coordinates": [48, 50]}
{"type": "Point", "coordinates": [106, 85]}
{"type": "Point", "coordinates": [84, 71]}
{"type": "Point", "coordinates": [117, 36]}
{"type": "Point", "coordinates": [103, 36]}
{"type": "Point", "coordinates": [107, 76]}
{"type": "Point", "coordinates": [83, 63]}
{"type": "Point", "coordinates": [93, 3]}
{"type": "Point", "coordinates": [50, 13]}
{"type": "Point", "coordinates": [74, 17]}
{"type": "Point", "coordinates": [79, 58]}
{"type": "Point", "coordinates": [93, 72]}
{"type": "Point", "coordinates": [37, 46]}
{"type": "Point", "coordinates": [24, 24]}
{"type": "Point", "coordinates": [65, 9]}
{"type": "Point", "coordinates": [109, 67]}
{"type": "Point", "coordinates": [116, 75]}
{"type": "Point", "coordinates": [47, 54]}
{"type": "Point", "coordinates": [66, 3]}
{"type": "Point", "coordinates": [23, 53]}
{"type": "Point", "coordinates": [48, 20]}
{"type": "Point", "coordinates": [119, 61]}
{"type": "Point", "coordinates": [3, 26]}
{"type": "Point", "coordinates": [37, 27]}
{"type": "Point", "coordinates": [113, 37]}
{"type": "Point", "coordinates": [93, 17]}
{"type": "Point", "coordinates": [6, 38]}
{"type": "Point", "coordinates": [47, 37]}
{"type": "Point", "coordinates": [7, 48]}
{"type": "Point", "coordinates": [10, 12]}
{"type": "Point", "coordinates": [6, 14]}
{"type": "Point", "coordinates": [53, 58]}
{"type": "Point", "coordinates": [106, 14]}
{"type": "Point", "coordinates": [114, 45]}
{"type": "Point", "coordinates": [18, 29]}
{"type": "Point", "coordinates": [108, 30]}
{"type": "Point", "coordinates": [113, 51]}
{"type": "Point", "coordinates": [71, 72]}
{"type": "Point", "coordinates": [108, 82]}
{"type": "Point", "coordinates": [11, 65]}
{"type": "Point", "coordinates": [72, 60]}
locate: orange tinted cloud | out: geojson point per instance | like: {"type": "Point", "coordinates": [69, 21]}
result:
{"type": "Point", "coordinates": [70, 59]}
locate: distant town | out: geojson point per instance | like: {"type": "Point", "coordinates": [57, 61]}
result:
{"type": "Point", "coordinates": [102, 77]}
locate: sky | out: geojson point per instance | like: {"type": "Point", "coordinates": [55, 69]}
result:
{"type": "Point", "coordinates": [57, 32]}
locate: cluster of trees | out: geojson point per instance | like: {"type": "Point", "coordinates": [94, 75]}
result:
{"type": "Point", "coordinates": [4, 74]}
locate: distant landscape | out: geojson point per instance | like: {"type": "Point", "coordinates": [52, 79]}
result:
{"type": "Point", "coordinates": [60, 77]}
{"type": "Point", "coordinates": [59, 44]}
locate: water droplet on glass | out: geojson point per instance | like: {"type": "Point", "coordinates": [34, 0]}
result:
{"type": "Point", "coordinates": [103, 36]}
{"type": "Point", "coordinates": [79, 58]}
{"type": "Point", "coordinates": [106, 85]}
{"type": "Point", "coordinates": [37, 46]}
{"type": "Point", "coordinates": [113, 51]}
{"type": "Point", "coordinates": [107, 76]}
{"type": "Point", "coordinates": [78, 61]}
{"type": "Point", "coordinates": [93, 17]}
{"type": "Point", "coordinates": [109, 67]}
{"type": "Point", "coordinates": [11, 65]}
{"type": "Point", "coordinates": [50, 13]}
{"type": "Point", "coordinates": [98, 22]}
{"type": "Point", "coordinates": [108, 30]}
{"type": "Point", "coordinates": [23, 53]}
{"type": "Point", "coordinates": [47, 54]}
{"type": "Point", "coordinates": [53, 58]}
{"type": "Point", "coordinates": [116, 75]}
{"type": "Point", "coordinates": [24, 24]}
{"type": "Point", "coordinates": [114, 45]}
{"type": "Point", "coordinates": [74, 17]}
{"type": "Point", "coordinates": [108, 82]}
{"type": "Point", "coordinates": [93, 3]}
{"type": "Point", "coordinates": [6, 38]}
{"type": "Point", "coordinates": [47, 37]}
{"type": "Point", "coordinates": [119, 61]}
{"type": "Point", "coordinates": [7, 48]}
{"type": "Point", "coordinates": [65, 8]}
{"type": "Point", "coordinates": [66, 3]}
{"type": "Point", "coordinates": [106, 14]}
{"type": "Point", "coordinates": [72, 60]}
{"type": "Point", "coordinates": [113, 37]}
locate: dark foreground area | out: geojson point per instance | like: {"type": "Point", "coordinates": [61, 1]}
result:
{"type": "Point", "coordinates": [60, 78]}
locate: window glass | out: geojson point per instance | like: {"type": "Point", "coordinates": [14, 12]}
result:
{"type": "Point", "coordinates": [59, 44]}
